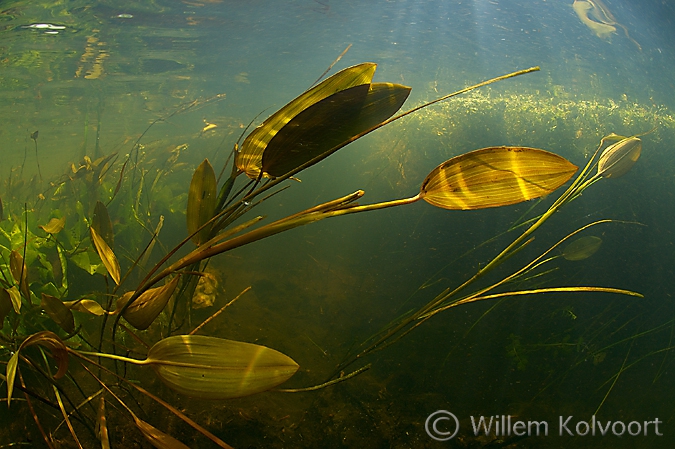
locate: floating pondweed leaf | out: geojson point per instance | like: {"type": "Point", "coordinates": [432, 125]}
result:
{"type": "Point", "coordinates": [102, 224]}
{"type": "Point", "coordinates": [330, 122]}
{"type": "Point", "coordinates": [617, 159]}
{"type": "Point", "coordinates": [107, 256]}
{"type": "Point", "coordinates": [58, 312]}
{"type": "Point", "coordinates": [582, 248]}
{"type": "Point", "coordinates": [201, 203]}
{"type": "Point", "coordinates": [54, 226]}
{"type": "Point", "coordinates": [215, 368]}
{"type": "Point", "coordinates": [496, 176]}
{"type": "Point", "coordinates": [249, 156]}
{"type": "Point", "coordinates": [143, 311]}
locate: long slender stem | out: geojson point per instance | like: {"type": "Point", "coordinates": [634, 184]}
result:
{"type": "Point", "coordinates": [427, 310]}
{"type": "Point", "coordinates": [327, 210]}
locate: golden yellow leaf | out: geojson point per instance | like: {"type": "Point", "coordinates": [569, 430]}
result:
{"type": "Point", "coordinates": [495, 176]}
{"type": "Point", "coordinates": [107, 256]}
{"type": "Point", "coordinates": [249, 156]}
{"type": "Point", "coordinates": [143, 311]}
{"type": "Point", "coordinates": [330, 122]}
{"type": "Point", "coordinates": [215, 368]}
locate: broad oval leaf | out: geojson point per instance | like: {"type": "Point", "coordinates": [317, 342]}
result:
{"type": "Point", "coordinates": [495, 176]}
{"type": "Point", "coordinates": [107, 256]}
{"type": "Point", "coordinates": [582, 248]}
{"type": "Point", "coordinates": [249, 156]}
{"type": "Point", "coordinates": [215, 368]}
{"type": "Point", "coordinates": [201, 201]}
{"type": "Point", "coordinates": [143, 311]}
{"type": "Point", "coordinates": [86, 306]}
{"type": "Point", "coordinates": [331, 122]}
{"type": "Point", "coordinates": [54, 226]}
{"type": "Point", "coordinates": [102, 224]}
{"type": "Point", "coordinates": [58, 312]}
{"type": "Point", "coordinates": [617, 159]}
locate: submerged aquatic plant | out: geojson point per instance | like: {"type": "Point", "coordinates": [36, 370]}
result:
{"type": "Point", "coordinates": [83, 331]}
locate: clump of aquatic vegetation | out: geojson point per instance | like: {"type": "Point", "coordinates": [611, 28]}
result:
{"type": "Point", "coordinates": [540, 119]}
{"type": "Point", "coordinates": [83, 315]}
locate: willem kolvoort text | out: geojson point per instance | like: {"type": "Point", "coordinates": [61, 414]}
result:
{"type": "Point", "coordinates": [506, 425]}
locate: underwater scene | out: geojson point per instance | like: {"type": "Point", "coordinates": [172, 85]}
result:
{"type": "Point", "coordinates": [337, 224]}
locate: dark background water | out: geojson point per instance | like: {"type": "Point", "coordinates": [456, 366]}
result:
{"type": "Point", "coordinates": [94, 87]}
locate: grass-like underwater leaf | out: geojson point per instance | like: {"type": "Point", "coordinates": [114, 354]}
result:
{"type": "Point", "coordinates": [215, 368]}
{"type": "Point", "coordinates": [495, 176]}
